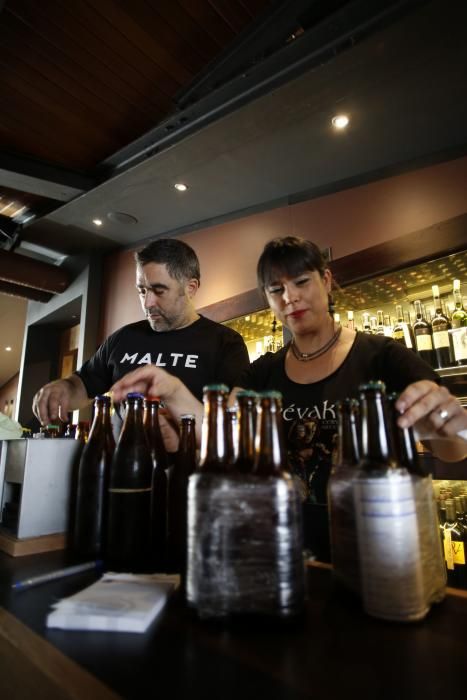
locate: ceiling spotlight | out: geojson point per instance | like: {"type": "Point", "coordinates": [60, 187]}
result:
{"type": "Point", "coordinates": [180, 187]}
{"type": "Point", "coordinates": [8, 348]}
{"type": "Point", "coordinates": [97, 222]}
{"type": "Point", "coordinates": [340, 121]}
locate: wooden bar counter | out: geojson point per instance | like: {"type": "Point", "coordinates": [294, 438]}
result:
{"type": "Point", "coordinates": [335, 651]}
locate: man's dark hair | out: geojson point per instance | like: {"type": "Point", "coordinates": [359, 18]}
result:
{"type": "Point", "coordinates": [181, 260]}
{"type": "Point", "coordinates": [289, 256]}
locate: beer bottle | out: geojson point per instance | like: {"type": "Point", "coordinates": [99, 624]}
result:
{"type": "Point", "coordinates": [404, 441]}
{"type": "Point", "coordinates": [391, 571]}
{"type": "Point", "coordinates": [183, 466]}
{"type": "Point", "coordinates": [344, 546]}
{"type": "Point", "coordinates": [213, 456]}
{"type": "Point", "coordinates": [270, 452]}
{"type": "Point", "coordinates": [129, 521]}
{"type": "Point", "coordinates": [232, 437]}
{"type": "Point", "coordinates": [159, 481]}
{"type": "Point", "coordinates": [82, 431]}
{"type": "Point", "coordinates": [247, 419]}
{"type": "Point", "coordinates": [93, 482]}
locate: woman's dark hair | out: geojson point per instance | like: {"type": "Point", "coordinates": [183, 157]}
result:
{"type": "Point", "coordinates": [288, 257]}
{"type": "Point", "coordinates": [181, 260]}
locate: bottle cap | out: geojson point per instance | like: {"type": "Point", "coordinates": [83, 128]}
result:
{"type": "Point", "coordinates": [216, 387]}
{"type": "Point", "coordinates": [270, 395]}
{"type": "Point", "coordinates": [135, 395]}
{"type": "Point", "coordinates": [187, 416]}
{"type": "Point", "coordinates": [373, 385]}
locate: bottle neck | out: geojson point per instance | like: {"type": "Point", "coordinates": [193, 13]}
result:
{"type": "Point", "coordinates": [133, 422]}
{"type": "Point", "coordinates": [213, 434]}
{"type": "Point", "coordinates": [246, 447]}
{"type": "Point", "coordinates": [348, 448]}
{"type": "Point", "coordinates": [376, 442]}
{"type": "Point", "coordinates": [270, 453]}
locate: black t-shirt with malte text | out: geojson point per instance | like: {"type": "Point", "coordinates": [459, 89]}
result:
{"type": "Point", "coordinates": [205, 352]}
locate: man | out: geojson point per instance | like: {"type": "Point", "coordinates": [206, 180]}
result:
{"type": "Point", "coordinates": [194, 349]}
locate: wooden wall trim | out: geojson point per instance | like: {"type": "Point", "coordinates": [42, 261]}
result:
{"type": "Point", "coordinates": [443, 238]}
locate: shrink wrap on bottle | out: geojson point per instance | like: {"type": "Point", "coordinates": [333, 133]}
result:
{"type": "Point", "coordinates": [244, 546]}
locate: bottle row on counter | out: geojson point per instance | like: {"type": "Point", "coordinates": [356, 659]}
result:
{"type": "Point", "coordinates": [231, 521]}
{"type": "Point", "coordinates": [438, 335]}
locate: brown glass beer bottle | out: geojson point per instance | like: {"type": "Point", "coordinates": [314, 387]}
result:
{"type": "Point", "coordinates": [246, 441]}
{"type": "Point", "coordinates": [93, 483]}
{"type": "Point", "coordinates": [270, 452]}
{"type": "Point", "coordinates": [159, 481]}
{"type": "Point", "coordinates": [214, 456]}
{"type": "Point", "coordinates": [129, 521]}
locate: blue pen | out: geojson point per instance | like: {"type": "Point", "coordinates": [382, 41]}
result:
{"type": "Point", "coordinates": [60, 573]}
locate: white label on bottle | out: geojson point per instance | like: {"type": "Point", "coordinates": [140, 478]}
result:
{"type": "Point", "coordinates": [407, 338]}
{"type": "Point", "coordinates": [459, 342]}
{"type": "Point", "coordinates": [424, 342]}
{"type": "Point", "coordinates": [441, 339]}
{"type": "Point", "coordinates": [389, 547]}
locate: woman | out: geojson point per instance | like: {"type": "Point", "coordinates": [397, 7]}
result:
{"type": "Point", "coordinates": [323, 363]}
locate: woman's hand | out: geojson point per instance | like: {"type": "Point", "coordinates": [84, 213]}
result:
{"type": "Point", "coordinates": [436, 414]}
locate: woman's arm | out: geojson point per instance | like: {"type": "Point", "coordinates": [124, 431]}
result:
{"type": "Point", "coordinates": [437, 416]}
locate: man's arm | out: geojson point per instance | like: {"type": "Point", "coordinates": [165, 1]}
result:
{"type": "Point", "coordinates": [57, 398]}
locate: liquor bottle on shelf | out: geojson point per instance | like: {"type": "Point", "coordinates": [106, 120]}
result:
{"type": "Point", "coordinates": [337, 318]}
{"type": "Point", "coordinates": [129, 521]}
{"type": "Point", "coordinates": [373, 325]}
{"type": "Point", "coordinates": [454, 540]}
{"type": "Point", "coordinates": [350, 320]}
{"type": "Point", "coordinates": [423, 336]}
{"type": "Point", "coordinates": [379, 323]}
{"type": "Point", "coordinates": [459, 315]}
{"type": "Point", "coordinates": [160, 465]}
{"type": "Point", "coordinates": [440, 325]}
{"type": "Point", "coordinates": [342, 527]}
{"type": "Point", "coordinates": [387, 325]}
{"type": "Point", "coordinates": [93, 482]}
{"type": "Point", "coordinates": [402, 331]}
{"type": "Point", "coordinates": [366, 327]}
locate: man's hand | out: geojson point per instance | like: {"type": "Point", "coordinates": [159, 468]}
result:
{"type": "Point", "coordinates": [56, 399]}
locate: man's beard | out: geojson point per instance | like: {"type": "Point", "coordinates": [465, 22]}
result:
{"type": "Point", "coordinates": [163, 322]}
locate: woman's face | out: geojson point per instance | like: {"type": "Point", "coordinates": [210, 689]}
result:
{"type": "Point", "coordinates": [301, 303]}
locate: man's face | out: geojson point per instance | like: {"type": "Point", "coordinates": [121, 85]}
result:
{"type": "Point", "coordinates": [165, 300]}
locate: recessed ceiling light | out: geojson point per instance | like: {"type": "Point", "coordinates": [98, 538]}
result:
{"type": "Point", "coordinates": [8, 348]}
{"type": "Point", "coordinates": [180, 187]}
{"type": "Point", "coordinates": [340, 121]}
{"type": "Point", "coordinates": [97, 222]}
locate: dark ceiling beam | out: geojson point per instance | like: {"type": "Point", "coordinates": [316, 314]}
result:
{"type": "Point", "coordinates": [22, 270]}
{"type": "Point", "coordinates": [19, 290]}
{"type": "Point", "coordinates": [319, 44]}
{"type": "Point", "coordinates": [43, 179]}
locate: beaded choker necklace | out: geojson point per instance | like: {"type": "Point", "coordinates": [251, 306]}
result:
{"type": "Point", "coordinates": [307, 356]}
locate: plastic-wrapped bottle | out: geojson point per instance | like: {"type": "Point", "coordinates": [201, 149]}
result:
{"type": "Point", "coordinates": [90, 522]}
{"type": "Point", "coordinates": [159, 481]}
{"type": "Point", "coordinates": [129, 522]}
{"type": "Point", "coordinates": [343, 529]}
{"type": "Point", "coordinates": [391, 568]}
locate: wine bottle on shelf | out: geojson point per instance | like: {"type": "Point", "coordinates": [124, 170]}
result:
{"type": "Point", "coordinates": [423, 336]}
{"type": "Point", "coordinates": [350, 320]}
{"type": "Point", "coordinates": [454, 547]}
{"type": "Point", "coordinates": [366, 327]}
{"type": "Point", "coordinates": [440, 326]}
{"type": "Point", "coordinates": [379, 323]}
{"type": "Point", "coordinates": [387, 325]}
{"type": "Point", "coordinates": [402, 331]}
{"type": "Point", "coordinates": [373, 325]}
{"type": "Point", "coordinates": [337, 318]}
{"type": "Point", "coordinates": [459, 315]}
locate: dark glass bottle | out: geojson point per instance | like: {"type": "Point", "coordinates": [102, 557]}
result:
{"type": "Point", "coordinates": [441, 325]}
{"type": "Point", "coordinates": [247, 421]}
{"type": "Point", "coordinates": [213, 454]}
{"type": "Point", "coordinates": [159, 481]}
{"type": "Point", "coordinates": [344, 545]}
{"type": "Point", "coordinates": [404, 441]}
{"type": "Point", "coordinates": [454, 540]}
{"type": "Point", "coordinates": [366, 327]}
{"type": "Point", "coordinates": [270, 452]}
{"type": "Point", "coordinates": [129, 522]}
{"type": "Point", "coordinates": [90, 524]}
{"type": "Point", "coordinates": [402, 331]}
{"type": "Point", "coordinates": [82, 431]}
{"type": "Point", "coordinates": [379, 323]}
{"type": "Point", "coordinates": [391, 568]}
{"type": "Point", "coordinates": [459, 315]}
{"type": "Point", "coordinates": [178, 474]}
{"type": "Point", "coordinates": [423, 336]}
